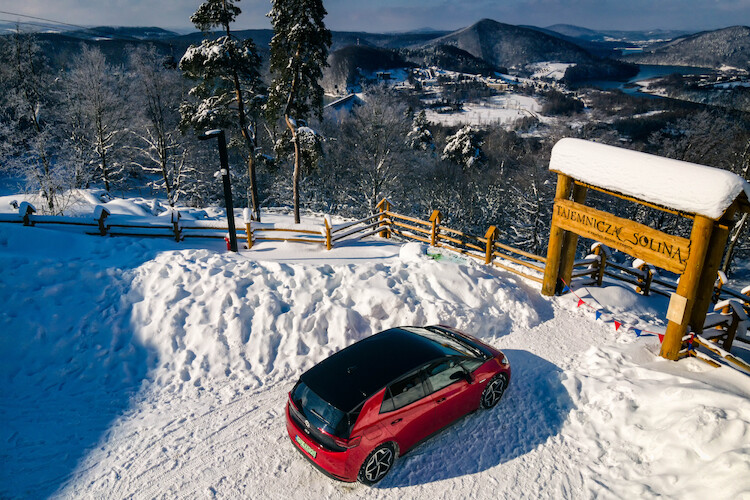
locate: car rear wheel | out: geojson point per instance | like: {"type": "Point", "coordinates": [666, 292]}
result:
{"type": "Point", "coordinates": [494, 391]}
{"type": "Point", "coordinates": [377, 464]}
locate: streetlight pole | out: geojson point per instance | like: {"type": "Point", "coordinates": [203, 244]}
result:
{"type": "Point", "coordinates": [221, 139]}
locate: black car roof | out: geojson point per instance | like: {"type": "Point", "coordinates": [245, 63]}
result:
{"type": "Point", "coordinates": [350, 376]}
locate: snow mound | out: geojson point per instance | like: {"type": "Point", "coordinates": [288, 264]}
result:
{"type": "Point", "coordinates": [647, 421]}
{"type": "Point", "coordinates": [675, 184]}
{"type": "Point", "coordinates": [210, 315]}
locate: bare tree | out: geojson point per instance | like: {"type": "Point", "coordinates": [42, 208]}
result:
{"type": "Point", "coordinates": [30, 117]}
{"type": "Point", "coordinates": [97, 89]}
{"type": "Point", "coordinates": [158, 92]}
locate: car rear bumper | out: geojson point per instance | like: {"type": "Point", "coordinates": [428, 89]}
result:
{"type": "Point", "coordinates": [334, 464]}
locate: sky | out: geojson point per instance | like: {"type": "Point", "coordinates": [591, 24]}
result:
{"type": "Point", "coordinates": [400, 15]}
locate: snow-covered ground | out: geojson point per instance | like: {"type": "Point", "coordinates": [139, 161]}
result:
{"type": "Point", "coordinates": [502, 109]}
{"type": "Point", "coordinates": [551, 70]}
{"type": "Point", "coordinates": [148, 368]}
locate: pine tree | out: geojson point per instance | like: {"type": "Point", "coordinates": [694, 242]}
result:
{"type": "Point", "coordinates": [420, 137]}
{"type": "Point", "coordinates": [299, 52]}
{"type": "Point", "coordinates": [464, 148]}
{"type": "Point", "coordinates": [228, 70]}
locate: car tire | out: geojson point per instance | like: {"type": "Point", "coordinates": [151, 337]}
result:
{"type": "Point", "coordinates": [377, 464]}
{"type": "Point", "coordinates": [494, 391]}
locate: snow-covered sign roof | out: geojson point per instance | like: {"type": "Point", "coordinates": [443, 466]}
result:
{"type": "Point", "coordinates": [679, 185]}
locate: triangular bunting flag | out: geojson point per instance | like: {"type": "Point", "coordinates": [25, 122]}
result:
{"type": "Point", "coordinates": [617, 325]}
{"type": "Point", "coordinates": [566, 289]}
{"type": "Point", "coordinates": [661, 337]}
{"type": "Point", "coordinates": [580, 302]}
{"type": "Point", "coordinates": [637, 332]}
{"type": "Point", "coordinates": [598, 314]}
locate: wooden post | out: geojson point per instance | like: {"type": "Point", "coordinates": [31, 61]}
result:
{"type": "Point", "coordinates": [644, 281]}
{"type": "Point", "coordinates": [731, 331]}
{"type": "Point", "coordinates": [249, 233]}
{"type": "Point", "coordinates": [716, 246]}
{"type": "Point", "coordinates": [384, 206]}
{"type": "Point", "coordinates": [491, 234]}
{"type": "Point", "coordinates": [176, 225]}
{"type": "Point", "coordinates": [328, 233]}
{"type": "Point", "coordinates": [25, 210]}
{"type": "Point", "coordinates": [570, 241]}
{"type": "Point", "coordinates": [688, 287]}
{"type": "Point", "coordinates": [103, 213]}
{"type": "Point", "coordinates": [602, 266]}
{"type": "Point", "coordinates": [435, 218]}
{"type": "Point", "coordinates": [554, 250]}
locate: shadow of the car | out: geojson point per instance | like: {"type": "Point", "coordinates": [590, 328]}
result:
{"type": "Point", "coordinates": [532, 410]}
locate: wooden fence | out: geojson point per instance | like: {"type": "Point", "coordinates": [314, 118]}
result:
{"type": "Point", "coordinates": [729, 316]}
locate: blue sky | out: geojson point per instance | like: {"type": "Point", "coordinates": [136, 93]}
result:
{"type": "Point", "coordinates": [394, 15]}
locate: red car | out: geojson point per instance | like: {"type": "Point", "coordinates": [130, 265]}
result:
{"type": "Point", "coordinates": [353, 413]}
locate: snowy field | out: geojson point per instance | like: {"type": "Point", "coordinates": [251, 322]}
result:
{"type": "Point", "coordinates": [498, 110]}
{"type": "Point", "coordinates": [153, 369]}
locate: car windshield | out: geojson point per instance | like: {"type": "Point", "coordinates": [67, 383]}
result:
{"type": "Point", "coordinates": [450, 345]}
{"type": "Point", "coordinates": [320, 413]}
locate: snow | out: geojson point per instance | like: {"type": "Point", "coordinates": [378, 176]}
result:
{"type": "Point", "coordinates": [149, 368]}
{"type": "Point", "coordinates": [503, 109]}
{"type": "Point", "coordinates": [674, 184]}
{"type": "Point", "coordinates": [551, 70]}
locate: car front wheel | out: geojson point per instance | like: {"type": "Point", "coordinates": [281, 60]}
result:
{"type": "Point", "coordinates": [494, 391]}
{"type": "Point", "coordinates": [377, 464]}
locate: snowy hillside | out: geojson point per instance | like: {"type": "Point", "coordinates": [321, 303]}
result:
{"type": "Point", "coordinates": [149, 368]}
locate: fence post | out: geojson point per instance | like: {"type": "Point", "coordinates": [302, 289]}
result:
{"type": "Point", "coordinates": [176, 225]}
{"type": "Point", "coordinates": [601, 252]}
{"type": "Point", "coordinates": [25, 209]}
{"type": "Point", "coordinates": [491, 234]}
{"type": "Point", "coordinates": [328, 233]}
{"type": "Point", "coordinates": [100, 214]}
{"type": "Point", "coordinates": [248, 227]}
{"type": "Point", "coordinates": [435, 218]}
{"type": "Point", "coordinates": [384, 206]}
{"type": "Point", "coordinates": [644, 282]}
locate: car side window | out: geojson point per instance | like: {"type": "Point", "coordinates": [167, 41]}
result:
{"type": "Point", "coordinates": [472, 364]}
{"type": "Point", "coordinates": [442, 373]}
{"type": "Point", "coordinates": [403, 392]}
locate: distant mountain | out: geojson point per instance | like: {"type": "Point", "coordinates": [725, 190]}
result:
{"type": "Point", "coordinates": [639, 37]}
{"type": "Point", "coordinates": [708, 49]}
{"type": "Point", "coordinates": [506, 45]}
{"type": "Point", "coordinates": [121, 33]}
{"type": "Point", "coordinates": [347, 65]}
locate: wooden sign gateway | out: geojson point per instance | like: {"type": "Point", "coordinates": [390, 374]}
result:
{"type": "Point", "coordinates": [707, 195]}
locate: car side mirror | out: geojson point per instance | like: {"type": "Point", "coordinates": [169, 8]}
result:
{"type": "Point", "coordinates": [462, 375]}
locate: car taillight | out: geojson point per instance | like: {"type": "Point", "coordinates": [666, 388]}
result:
{"type": "Point", "coordinates": [348, 443]}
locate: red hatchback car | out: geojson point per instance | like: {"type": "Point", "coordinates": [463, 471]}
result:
{"type": "Point", "coordinates": [353, 413]}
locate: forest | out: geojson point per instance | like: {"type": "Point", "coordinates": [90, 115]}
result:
{"type": "Point", "coordinates": [132, 128]}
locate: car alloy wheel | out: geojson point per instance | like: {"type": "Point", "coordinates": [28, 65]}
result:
{"type": "Point", "coordinates": [494, 391]}
{"type": "Point", "coordinates": [377, 465]}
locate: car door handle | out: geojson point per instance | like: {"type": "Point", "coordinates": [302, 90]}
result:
{"type": "Point", "coordinates": [440, 400]}
{"type": "Point", "coordinates": [396, 421]}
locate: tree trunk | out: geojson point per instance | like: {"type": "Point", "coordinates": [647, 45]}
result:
{"type": "Point", "coordinates": [733, 243]}
{"type": "Point", "coordinates": [296, 175]}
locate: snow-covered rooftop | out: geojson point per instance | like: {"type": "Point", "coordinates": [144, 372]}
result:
{"type": "Point", "coordinates": [679, 185]}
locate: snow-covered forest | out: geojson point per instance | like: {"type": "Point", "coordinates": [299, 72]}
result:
{"type": "Point", "coordinates": [132, 125]}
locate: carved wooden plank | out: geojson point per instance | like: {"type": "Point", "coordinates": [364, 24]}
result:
{"type": "Point", "coordinates": [660, 249]}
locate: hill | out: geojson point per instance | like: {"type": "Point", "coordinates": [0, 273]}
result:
{"type": "Point", "coordinates": [506, 45]}
{"type": "Point", "coordinates": [708, 49]}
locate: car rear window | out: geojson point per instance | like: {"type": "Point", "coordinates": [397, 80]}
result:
{"type": "Point", "coordinates": [319, 412]}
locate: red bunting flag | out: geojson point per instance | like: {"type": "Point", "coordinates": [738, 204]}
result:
{"type": "Point", "coordinates": [580, 302]}
{"type": "Point", "coordinates": [661, 337]}
{"type": "Point", "coordinates": [617, 325]}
